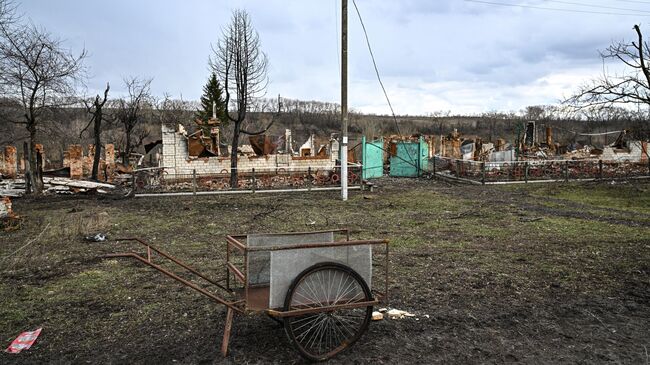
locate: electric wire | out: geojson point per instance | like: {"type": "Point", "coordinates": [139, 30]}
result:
{"type": "Point", "coordinates": [594, 6]}
{"type": "Point", "coordinates": [634, 1]}
{"type": "Point", "coordinates": [551, 9]}
{"type": "Point", "coordinates": [374, 63]}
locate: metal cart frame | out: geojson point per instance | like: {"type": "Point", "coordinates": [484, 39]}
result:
{"type": "Point", "coordinates": [240, 295]}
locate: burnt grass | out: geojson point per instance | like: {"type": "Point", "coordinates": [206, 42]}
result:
{"type": "Point", "coordinates": [530, 274]}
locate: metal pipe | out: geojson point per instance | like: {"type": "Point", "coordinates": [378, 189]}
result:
{"type": "Point", "coordinates": [317, 245]}
{"type": "Point", "coordinates": [236, 271]}
{"type": "Point", "coordinates": [386, 276]}
{"type": "Point", "coordinates": [346, 230]}
{"type": "Point", "coordinates": [227, 262]}
{"type": "Point", "coordinates": [149, 195]}
{"type": "Point", "coordinates": [240, 246]}
{"type": "Point", "coordinates": [329, 308]}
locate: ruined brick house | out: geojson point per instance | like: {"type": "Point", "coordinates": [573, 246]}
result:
{"type": "Point", "coordinates": [179, 156]}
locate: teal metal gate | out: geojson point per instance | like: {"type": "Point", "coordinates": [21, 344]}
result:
{"type": "Point", "coordinates": [372, 158]}
{"type": "Point", "coordinates": [410, 160]}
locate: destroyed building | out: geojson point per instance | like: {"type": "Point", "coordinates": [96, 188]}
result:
{"type": "Point", "coordinates": [527, 146]}
{"type": "Point", "coordinates": [202, 153]}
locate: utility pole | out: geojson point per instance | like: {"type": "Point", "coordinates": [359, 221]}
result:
{"type": "Point", "coordinates": [343, 149]}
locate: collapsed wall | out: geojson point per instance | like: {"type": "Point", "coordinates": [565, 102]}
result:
{"type": "Point", "coordinates": [79, 166]}
{"type": "Point", "coordinates": [176, 159]}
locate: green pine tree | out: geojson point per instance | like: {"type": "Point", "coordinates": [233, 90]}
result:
{"type": "Point", "coordinates": [212, 92]}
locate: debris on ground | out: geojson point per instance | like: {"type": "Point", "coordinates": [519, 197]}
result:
{"type": "Point", "coordinates": [530, 219]}
{"type": "Point", "coordinates": [12, 187]}
{"type": "Point", "coordinates": [65, 185]}
{"type": "Point", "coordinates": [5, 208]}
{"type": "Point", "coordinates": [392, 314]}
{"type": "Point", "coordinates": [99, 237]}
{"type": "Point", "coordinates": [398, 314]}
{"type": "Point", "coordinates": [24, 341]}
{"type": "Point", "coordinates": [8, 219]}
{"type": "Point", "coordinates": [57, 185]}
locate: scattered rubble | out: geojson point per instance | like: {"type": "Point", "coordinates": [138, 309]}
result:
{"type": "Point", "coordinates": [99, 237]}
{"type": "Point", "coordinates": [527, 147]}
{"type": "Point", "coordinates": [392, 314]}
{"type": "Point", "coordinates": [8, 219]}
{"type": "Point", "coordinates": [398, 314]}
{"type": "Point", "coordinates": [5, 208]}
{"type": "Point", "coordinates": [15, 188]}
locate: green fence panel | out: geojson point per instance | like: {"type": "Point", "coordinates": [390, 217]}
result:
{"type": "Point", "coordinates": [411, 159]}
{"type": "Point", "coordinates": [372, 158]}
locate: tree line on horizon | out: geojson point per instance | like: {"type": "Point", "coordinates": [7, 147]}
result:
{"type": "Point", "coordinates": [43, 97]}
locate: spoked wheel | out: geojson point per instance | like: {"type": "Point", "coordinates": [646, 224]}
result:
{"type": "Point", "coordinates": [327, 331]}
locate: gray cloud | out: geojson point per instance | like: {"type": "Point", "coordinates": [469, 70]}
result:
{"type": "Point", "coordinates": [449, 54]}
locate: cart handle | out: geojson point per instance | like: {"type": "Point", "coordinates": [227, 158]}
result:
{"type": "Point", "coordinates": [173, 259]}
{"type": "Point", "coordinates": [217, 299]}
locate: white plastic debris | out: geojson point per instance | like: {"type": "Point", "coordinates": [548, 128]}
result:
{"type": "Point", "coordinates": [99, 237]}
{"type": "Point", "coordinates": [399, 314]}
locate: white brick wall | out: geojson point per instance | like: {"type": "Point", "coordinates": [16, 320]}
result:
{"type": "Point", "coordinates": [176, 160]}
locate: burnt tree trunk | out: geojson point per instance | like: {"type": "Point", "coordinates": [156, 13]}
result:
{"type": "Point", "coordinates": [127, 149]}
{"type": "Point", "coordinates": [35, 178]}
{"type": "Point", "coordinates": [97, 130]}
{"type": "Point", "coordinates": [234, 156]}
{"type": "Point", "coordinates": [98, 144]}
{"type": "Point", "coordinates": [28, 170]}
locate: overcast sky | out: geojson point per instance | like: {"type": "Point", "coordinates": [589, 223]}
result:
{"type": "Point", "coordinates": [434, 55]}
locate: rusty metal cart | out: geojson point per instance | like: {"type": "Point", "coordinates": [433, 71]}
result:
{"type": "Point", "coordinates": [318, 288]}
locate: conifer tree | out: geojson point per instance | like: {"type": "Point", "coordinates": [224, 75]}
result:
{"type": "Point", "coordinates": [212, 93]}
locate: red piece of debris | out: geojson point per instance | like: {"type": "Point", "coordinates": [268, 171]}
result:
{"type": "Point", "coordinates": [24, 341]}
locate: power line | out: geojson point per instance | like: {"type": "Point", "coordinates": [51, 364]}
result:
{"type": "Point", "coordinates": [634, 1]}
{"type": "Point", "coordinates": [594, 6]}
{"type": "Point", "coordinates": [552, 9]}
{"type": "Point", "coordinates": [374, 63]}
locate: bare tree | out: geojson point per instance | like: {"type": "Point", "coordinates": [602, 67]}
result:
{"type": "Point", "coordinates": [241, 65]}
{"type": "Point", "coordinates": [172, 112]}
{"type": "Point", "coordinates": [130, 111]}
{"type": "Point", "coordinates": [7, 13]}
{"type": "Point", "coordinates": [632, 86]}
{"type": "Point", "coordinates": [41, 75]}
{"type": "Point", "coordinates": [97, 111]}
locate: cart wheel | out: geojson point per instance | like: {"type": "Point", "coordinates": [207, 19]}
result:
{"type": "Point", "coordinates": [320, 335]}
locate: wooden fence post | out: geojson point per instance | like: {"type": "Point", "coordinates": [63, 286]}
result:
{"type": "Point", "coordinates": [526, 172]}
{"type": "Point", "coordinates": [309, 178]}
{"type": "Point", "coordinates": [483, 172]}
{"type": "Point", "coordinates": [600, 169]}
{"type": "Point", "coordinates": [194, 181]}
{"type": "Point", "coordinates": [254, 181]}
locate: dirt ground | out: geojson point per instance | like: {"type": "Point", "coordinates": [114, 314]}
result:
{"type": "Point", "coordinates": [528, 274]}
